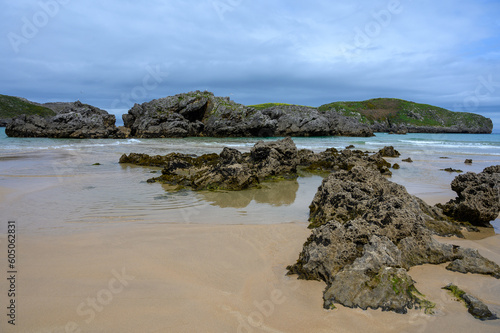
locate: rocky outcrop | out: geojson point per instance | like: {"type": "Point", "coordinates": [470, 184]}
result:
{"type": "Point", "coordinates": [272, 160]}
{"type": "Point", "coordinates": [74, 120]}
{"type": "Point", "coordinates": [478, 200]}
{"type": "Point", "coordinates": [203, 114]}
{"type": "Point", "coordinates": [11, 107]}
{"type": "Point", "coordinates": [230, 170]}
{"type": "Point", "coordinates": [332, 160]}
{"type": "Point", "coordinates": [367, 233]}
{"type": "Point", "coordinates": [475, 306]}
{"type": "Point", "coordinates": [389, 152]}
{"type": "Point", "coordinates": [293, 120]}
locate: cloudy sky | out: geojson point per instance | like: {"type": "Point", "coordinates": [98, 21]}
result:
{"type": "Point", "coordinates": [113, 54]}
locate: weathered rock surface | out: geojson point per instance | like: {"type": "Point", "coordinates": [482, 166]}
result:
{"type": "Point", "coordinates": [74, 120]}
{"type": "Point", "coordinates": [367, 233]}
{"type": "Point", "coordinates": [293, 120]}
{"type": "Point", "coordinates": [203, 114]}
{"type": "Point", "coordinates": [230, 170]}
{"type": "Point", "coordinates": [475, 306]}
{"type": "Point", "coordinates": [331, 160]}
{"type": "Point", "coordinates": [389, 152]}
{"type": "Point", "coordinates": [478, 200]}
{"type": "Point", "coordinates": [272, 160]}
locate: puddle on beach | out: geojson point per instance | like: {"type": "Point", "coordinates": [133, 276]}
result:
{"type": "Point", "coordinates": [112, 195]}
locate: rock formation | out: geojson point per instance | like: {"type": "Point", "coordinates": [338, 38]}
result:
{"type": "Point", "coordinates": [203, 114]}
{"type": "Point", "coordinates": [478, 200]}
{"type": "Point", "coordinates": [75, 120]}
{"type": "Point", "coordinates": [400, 116]}
{"type": "Point", "coordinates": [367, 233]}
{"type": "Point", "coordinates": [230, 170]}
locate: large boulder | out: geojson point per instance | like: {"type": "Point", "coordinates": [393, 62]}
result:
{"type": "Point", "coordinates": [275, 158]}
{"type": "Point", "coordinates": [74, 120]}
{"type": "Point", "coordinates": [367, 233]}
{"type": "Point", "coordinates": [478, 200]}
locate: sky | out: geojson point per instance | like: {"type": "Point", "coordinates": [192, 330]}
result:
{"type": "Point", "coordinates": [113, 54]}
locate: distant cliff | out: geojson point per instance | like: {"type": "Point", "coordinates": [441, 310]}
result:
{"type": "Point", "coordinates": [400, 116]}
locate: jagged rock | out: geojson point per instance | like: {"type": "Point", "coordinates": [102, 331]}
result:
{"type": "Point", "coordinates": [345, 195]}
{"type": "Point", "coordinates": [376, 280]}
{"type": "Point", "coordinates": [367, 232]}
{"type": "Point", "coordinates": [275, 158]}
{"type": "Point", "coordinates": [75, 120]}
{"type": "Point", "coordinates": [478, 200]}
{"type": "Point", "coordinates": [296, 120]}
{"type": "Point", "coordinates": [469, 260]}
{"type": "Point", "coordinates": [203, 114]}
{"type": "Point", "coordinates": [225, 177]}
{"type": "Point", "coordinates": [409, 160]}
{"type": "Point", "coordinates": [231, 170]}
{"type": "Point", "coordinates": [331, 159]}
{"type": "Point", "coordinates": [122, 132]}
{"type": "Point", "coordinates": [475, 306]}
{"type": "Point", "coordinates": [389, 151]}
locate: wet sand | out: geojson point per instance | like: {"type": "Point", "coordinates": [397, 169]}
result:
{"type": "Point", "coordinates": [152, 276]}
{"type": "Point", "coordinates": [226, 278]}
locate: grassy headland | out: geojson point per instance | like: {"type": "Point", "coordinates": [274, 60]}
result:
{"type": "Point", "coordinates": [14, 106]}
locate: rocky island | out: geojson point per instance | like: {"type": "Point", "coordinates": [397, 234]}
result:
{"type": "Point", "coordinates": [197, 113]}
{"type": "Point", "coordinates": [400, 116]}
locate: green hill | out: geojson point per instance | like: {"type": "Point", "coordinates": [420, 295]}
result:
{"type": "Point", "coordinates": [266, 105]}
{"type": "Point", "coordinates": [14, 106]}
{"type": "Point", "coordinates": [396, 111]}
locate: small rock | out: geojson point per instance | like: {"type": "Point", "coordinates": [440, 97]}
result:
{"type": "Point", "coordinates": [389, 151]}
{"type": "Point", "coordinates": [468, 161]}
{"type": "Point", "coordinates": [395, 166]}
{"type": "Point", "coordinates": [475, 307]}
{"type": "Point", "coordinates": [451, 170]}
{"type": "Point", "coordinates": [409, 160]}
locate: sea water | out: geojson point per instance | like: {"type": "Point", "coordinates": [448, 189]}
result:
{"type": "Point", "coordinates": [66, 185]}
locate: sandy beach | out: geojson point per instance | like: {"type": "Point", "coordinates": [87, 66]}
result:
{"type": "Point", "coordinates": [191, 278]}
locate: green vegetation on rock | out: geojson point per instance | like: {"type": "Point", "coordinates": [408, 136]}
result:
{"type": "Point", "coordinates": [397, 111]}
{"type": "Point", "coordinates": [14, 106]}
{"type": "Point", "coordinates": [268, 105]}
